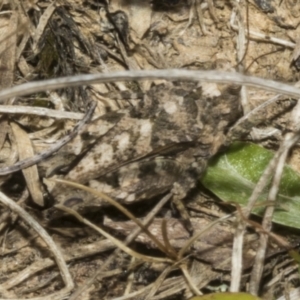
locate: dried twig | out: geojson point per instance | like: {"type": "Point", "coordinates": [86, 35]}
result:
{"type": "Point", "coordinates": [66, 276]}
{"type": "Point", "coordinates": [290, 139]}
{"type": "Point", "coordinates": [239, 232]}
{"type": "Point", "coordinates": [260, 36]}
{"type": "Point", "coordinates": [82, 251]}
{"type": "Point", "coordinates": [277, 161]}
{"type": "Point", "coordinates": [40, 111]}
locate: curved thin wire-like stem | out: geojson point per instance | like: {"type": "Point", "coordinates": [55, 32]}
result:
{"type": "Point", "coordinates": [169, 74]}
{"type": "Point", "coordinates": [130, 238]}
{"type": "Point", "coordinates": [120, 207]}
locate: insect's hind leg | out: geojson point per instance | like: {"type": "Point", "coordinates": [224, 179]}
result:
{"type": "Point", "coordinates": [179, 193]}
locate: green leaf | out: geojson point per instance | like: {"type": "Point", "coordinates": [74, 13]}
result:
{"type": "Point", "coordinates": [226, 296]}
{"type": "Point", "coordinates": [232, 177]}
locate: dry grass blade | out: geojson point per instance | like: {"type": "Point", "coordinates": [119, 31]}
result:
{"type": "Point", "coordinates": [166, 239]}
{"type": "Point", "coordinates": [41, 26]}
{"type": "Point", "coordinates": [31, 174]}
{"type": "Point", "coordinates": [43, 155]}
{"type": "Point", "coordinates": [66, 276]}
{"type": "Point", "coordinates": [190, 280]}
{"type": "Point", "coordinates": [130, 238]}
{"type": "Point", "coordinates": [252, 117]}
{"type": "Point", "coordinates": [135, 295]}
{"type": "Point", "coordinates": [289, 141]}
{"type": "Point", "coordinates": [118, 243]}
{"type": "Point", "coordinates": [276, 163]}
{"type": "Point", "coordinates": [239, 233]}
{"type": "Point", "coordinates": [237, 252]}
{"type": "Point", "coordinates": [197, 235]}
{"type": "Point", "coordinates": [120, 208]}
{"type": "Point", "coordinates": [158, 282]}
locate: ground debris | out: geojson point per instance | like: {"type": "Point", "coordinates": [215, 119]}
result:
{"type": "Point", "coordinates": [146, 140]}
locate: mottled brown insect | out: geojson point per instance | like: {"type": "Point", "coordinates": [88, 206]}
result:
{"type": "Point", "coordinates": [160, 145]}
